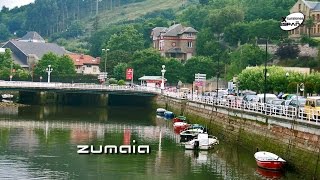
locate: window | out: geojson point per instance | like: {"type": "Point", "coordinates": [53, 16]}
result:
{"type": "Point", "coordinates": [88, 65]}
{"type": "Point", "coordinates": [189, 34]}
{"type": "Point", "coordinates": [94, 69]}
{"type": "Point", "coordinates": [83, 68]}
{"type": "Point", "coordinates": [299, 7]}
{"type": "Point", "coordinates": [189, 44]}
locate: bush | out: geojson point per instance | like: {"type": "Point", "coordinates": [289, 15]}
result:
{"type": "Point", "coordinates": [113, 81]}
{"type": "Point", "coordinates": [121, 82]}
{"type": "Point", "coordinates": [312, 42]}
{"type": "Point", "coordinates": [292, 87]}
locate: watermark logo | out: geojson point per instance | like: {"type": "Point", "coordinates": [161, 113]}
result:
{"type": "Point", "coordinates": [292, 21]}
{"type": "Point", "coordinates": [113, 149]}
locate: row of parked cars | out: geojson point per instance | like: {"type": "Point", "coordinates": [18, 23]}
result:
{"type": "Point", "coordinates": [287, 104]}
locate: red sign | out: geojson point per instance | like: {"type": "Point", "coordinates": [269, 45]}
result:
{"type": "Point", "coordinates": [199, 83]}
{"type": "Point", "coordinates": [129, 74]}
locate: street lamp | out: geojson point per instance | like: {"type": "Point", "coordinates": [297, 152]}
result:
{"type": "Point", "coordinates": [105, 64]}
{"type": "Point", "coordinates": [40, 78]}
{"type": "Point", "coordinates": [301, 88]}
{"type": "Point", "coordinates": [49, 70]}
{"type": "Point", "coordinates": [265, 73]}
{"type": "Point", "coordinates": [162, 83]}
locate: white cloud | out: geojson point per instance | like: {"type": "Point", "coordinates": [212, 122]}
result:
{"type": "Point", "coordinates": [13, 3]}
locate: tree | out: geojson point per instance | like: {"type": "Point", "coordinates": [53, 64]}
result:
{"type": "Point", "coordinates": [246, 55]}
{"type": "Point", "coordinates": [173, 71]}
{"type": "Point", "coordinates": [119, 71]}
{"type": "Point", "coordinates": [309, 24]}
{"type": "Point", "coordinates": [5, 34]}
{"type": "Point", "coordinates": [113, 58]}
{"type": "Point", "coordinates": [129, 40]}
{"type": "Point", "coordinates": [309, 87]}
{"type": "Point", "coordinates": [220, 19]}
{"type": "Point", "coordinates": [62, 66]}
{"type": "Point", "coordinates": [199, 64]}
{"type": "Point", "coordinates": [65, 66]}
{"type": "Point", "coordinates": [204, 2]}
{"type": "Point", "coordinates": [287, 51]}
{"type": "Point", "coordinates": [292, 87]}
{"type": "Point", "coordinates": [147, 62]}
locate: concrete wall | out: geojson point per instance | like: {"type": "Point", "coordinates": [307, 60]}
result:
{"type": "Point", "coordinates": [298, 145]}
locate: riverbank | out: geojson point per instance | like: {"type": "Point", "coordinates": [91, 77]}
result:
{"type": "Point", "coordinates": [11, 104]}
{"type": "Point", "coordinates": [300, 149]}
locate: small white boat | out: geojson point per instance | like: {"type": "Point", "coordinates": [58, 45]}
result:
{"type": "Point", "coordinates": [160, 111]}
{"type": "Point", "coordinates": [7, 96]}
{"type": "Point", "coordinates": [268, 160]}
{"type": "Point", "coordinates": [202, 142]}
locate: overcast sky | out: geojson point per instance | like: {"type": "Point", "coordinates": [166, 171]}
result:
{"type": "Point", "coordinates": [13, 3]}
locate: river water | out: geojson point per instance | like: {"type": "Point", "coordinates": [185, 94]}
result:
{"type": "Point", "coordinates": [40, 142]}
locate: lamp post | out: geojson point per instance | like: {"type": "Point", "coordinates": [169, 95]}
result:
{"type": "Point", "coordinates": [49, 70]}
{"type": "Point", "coordinates": [301, 87]}
{"type": "Point", "coordinates": [265, 73]}
{"type": "Point", "coordinates": [40, 78]}
{"type": "Point", "coordinates": [162, 83]}
{"type": "Point", "coordinates": [105, 64]}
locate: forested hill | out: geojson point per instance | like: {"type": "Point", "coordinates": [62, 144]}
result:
{"type": "Point", "coordinates": [73, 17]}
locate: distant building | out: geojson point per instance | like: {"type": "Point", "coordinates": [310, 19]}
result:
{"type": "Point", "coordinates": [29, 49]}
{"type": "Point", "coordinates": [310, 9]}
{"type": "Point", "coordinates": [151, 81]}
{"type": "Point", "coordinates": [2, 50]}
{"type": "Point", "coordinates": [176, 41]}
{"type": "Point", "coordinates": [85, 64]}
{"type": "Point", "coordinates": [32, 36]}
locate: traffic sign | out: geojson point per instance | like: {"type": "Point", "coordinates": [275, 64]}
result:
{"type": "Point", "coordinates": [200, 77]}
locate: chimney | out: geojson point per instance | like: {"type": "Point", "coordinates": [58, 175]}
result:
{"type": "Point", "coordinates": [98, 59]}
{"type": "Point", "coordinates": [81, 56]}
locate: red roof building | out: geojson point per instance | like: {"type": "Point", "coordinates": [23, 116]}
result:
{"type": "Point", "coordinates": [85, 64]}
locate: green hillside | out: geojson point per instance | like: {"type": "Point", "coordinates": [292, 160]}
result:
{"type": "Point", "coordinates": [136, 10]}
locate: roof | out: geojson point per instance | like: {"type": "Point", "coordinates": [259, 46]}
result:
{"type": "Point", "coordinates": [173, 30]}
{"type": "Point", "coordinates": [154, 78]}
{"type": "Point", "coordinates": [32, 36]}
{"type": "Point", "coordinates": [39, 49]}
{"type": "Point", "coordinates": [32, 48]}
{"type": "Point", "coordinates": [312, 5]}
{"type": "Point", "coordinates": [81, 59]}
{"type": "Point", "coordinates": [157, 30]}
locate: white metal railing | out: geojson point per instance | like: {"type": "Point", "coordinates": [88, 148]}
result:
{"type": "Point", "coordinates": [76, 86]}
{"type": "Point", "coordinates": [288, 112]}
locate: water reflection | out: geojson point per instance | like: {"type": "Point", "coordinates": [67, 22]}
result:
{"type": "Point", "coordinates": [268, 174]}
{"type": "Point", "coordinates": [45, 148]}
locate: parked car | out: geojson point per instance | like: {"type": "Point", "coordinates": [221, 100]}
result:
{"type": "Point", "coordinates": [312, 108]}
{"type": "Point", "coordinates": [248, 100]}
{"type": "Point", "coordinates": [293, 104]}
{"type": "Point", "coordinates": [275, 106]}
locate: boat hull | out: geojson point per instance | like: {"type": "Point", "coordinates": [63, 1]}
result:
{"type": "Point", "coordinates": [272, 165]}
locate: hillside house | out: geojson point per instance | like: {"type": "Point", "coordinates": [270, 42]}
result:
{"type": "Point", "coordinates": [175, 41]}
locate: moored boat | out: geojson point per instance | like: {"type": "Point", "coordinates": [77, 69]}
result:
{"type": "Point", "coordinates": [202, 142]}
{"type": "Point", "coordinates": [179, 119]}
{"type": "Point", "coordinates": [268, 160]}
{"type": "Point", "coordinates": [189, 134]}
{"type": "Point", "coordinates": [180, 125]}
{"type": "Point", "coordinates": [7, 96]}
{"type": "Point", "coordinates": [168, 114]}
{"type": "Point", "coordinates": [160, 111]}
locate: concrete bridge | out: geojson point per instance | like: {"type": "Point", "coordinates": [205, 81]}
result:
{"type": "Point", "coordinates": [71, 94]}
{"type": "Point", "coordinates": [77, 88]}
